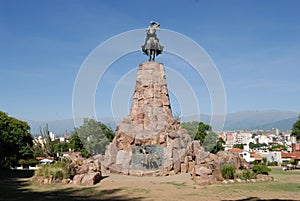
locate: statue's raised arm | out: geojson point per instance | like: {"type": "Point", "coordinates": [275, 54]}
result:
{"type": "Point", "coordinates": [152, 47]}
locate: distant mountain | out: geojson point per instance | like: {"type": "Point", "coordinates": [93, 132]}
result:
{"type": "Point", "coordinates": [260, 119]}
{"type": "Point", "coordinates": [249, 120]}
{"type": "Point", "coordinates": [59, 127]}
{"type": "Point", "coordinates": [243, 120]}
{"type": "Point", "coordinates": [285, 124]}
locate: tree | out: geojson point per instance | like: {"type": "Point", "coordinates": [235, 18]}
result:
{"type": "Point", "coordinates": [212, 143]}
{"type": "Point", "coordinates": [14, 138]}
{"type": "Point", "coordinates": [240, 146]}
{"type": "Point", "coordinates": [253, 145]}
{"type": "Point", "coordinates": [61, 147]}
{"type": "Point", "coordinates": [278, 146]}
{"type": "Point", "coordinates": [75, 142]}
{"type": "Point", "coordinates": [191, 128]}
{"type": "Point", "coordinates": [296, 129]}
{"type": "Point", "coordinates": [219, 146]}
{"type": "Point", "coordinates": [76, 145]}
{"type": "Point", "coordinates": [95, 135]}
{"type": "Point", "coordinates": [202, 131]}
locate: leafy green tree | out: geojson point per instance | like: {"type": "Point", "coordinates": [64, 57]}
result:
{"type": "Point", "coordinates": [212, 143]}
{"type": "Point", "coordinates": [191, 128]}
{"type": "Point", "coordinates": [202, 131]}
{"type": "Point", "coordinates": [14, 137]}
{"type": "Point", "coordinates": [274, 147]}
{"type": "Point", "coordinates": [257, 145]}
{"type": "Point", "coordinates": [75, 142]}
{"type": "Point", "coordinates": [240, 146]}
{"type": "Point", "coordinates": [76, 145]}
{"type": "Point", "coordinates": [296, 129]}
{"type": "Point", "coordinates": [61, 147]}
{"type": "Point", "coordinates": [95, 135]}
{"type": "Point", "coordinates": [219, 146]}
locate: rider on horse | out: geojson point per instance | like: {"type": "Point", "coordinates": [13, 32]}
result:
{"type": "Point", "coordinates": [152, 47]}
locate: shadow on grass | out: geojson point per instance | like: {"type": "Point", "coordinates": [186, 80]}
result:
{"type": "Point", "coordinates": [258, 199]}
{"type": "Point", "coordinates": [16, 185]}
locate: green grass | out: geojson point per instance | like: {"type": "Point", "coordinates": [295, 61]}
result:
{"type": "Point", "coordinates": [57, 170]}
{"type": "Point", "coordinates": [286, 185]}
{"type": "Point", "coordinates": [94, 191]}
{"type": "Point", "coordinates": [278, 171]}
{"type": "Point", "coordinates": [290, 187]}
{"type": "Point", "coordinates": [266, 186]}
{"type": "Point", "coordinates": [284, 182]}
{"type": "Point", "coordinates": [136, 190]}
{"type": "Point", "coordinates": [177, 184]}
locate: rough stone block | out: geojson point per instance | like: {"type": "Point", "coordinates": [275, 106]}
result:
{"type": "Point", "coordinates": [184, 168]}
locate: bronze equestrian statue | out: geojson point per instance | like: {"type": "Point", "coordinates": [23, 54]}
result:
{"type": "Point", "coordinates": [152, 48]}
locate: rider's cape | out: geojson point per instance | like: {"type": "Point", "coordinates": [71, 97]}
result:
{"type": "Point", "coordinates": [152, 43]}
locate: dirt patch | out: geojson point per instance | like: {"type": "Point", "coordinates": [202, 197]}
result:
{"type": "Point", "coordinates": [181, 187]}
{"type": "Point", "coordinates": [286, 187]}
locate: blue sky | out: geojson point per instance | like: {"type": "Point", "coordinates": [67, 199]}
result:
{"type": "Point", "coordinates": [254, 44]}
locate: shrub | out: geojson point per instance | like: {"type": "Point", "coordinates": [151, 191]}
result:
{"type": "Point", "coordinates": [265, 160]}
{"type": "Point", "coordinates": [57, 170]}
{"type": "Point", "coordinates": [22, 162]}
{"type": "Point", "coordinates": [228, 171]}
{"type": "Point", "coordinates": [274, 163]}
{"type": "Point", "coordinates": [58, 174]}
{"type": "Point", "coordinates": [293, 161]}
{"type": "Point", "coordinates": [254, 162]}
{"type": "Point", "coordinates": [261, 169]}
{"type": "Point", "coordinates": [246, 175]}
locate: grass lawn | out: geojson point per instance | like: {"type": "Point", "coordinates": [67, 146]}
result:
{"type": "Point", "coordinates": [16, 185]}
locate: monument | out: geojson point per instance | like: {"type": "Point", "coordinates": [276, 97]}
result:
{"type": "Point", "coordinates": [152, 48]}
{"type": "Point", "coordinates": [149, 140]}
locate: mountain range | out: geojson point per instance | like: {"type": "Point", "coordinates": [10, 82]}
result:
{"type": "Point", "coordinates": [243, 120]}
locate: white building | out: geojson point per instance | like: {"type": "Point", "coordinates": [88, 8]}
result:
{"type": "Point", "coordinates": [243, 138]}
{"type": "Point", "coordinates": [264, 139]}
{"type": "Point", "coordinates": [52, 136]}
{"type": "Point", "coordinates": [274, 156]}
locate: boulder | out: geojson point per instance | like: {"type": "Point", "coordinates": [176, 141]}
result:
{"type": "Point", "coordinates": [183, 168]}
{"type": "Point", "coordinates": [202, 171]}
{"type": "Point", "coordinates": [91, 178]}
{"type": "Point", "coordinates": [77, 179]}
{"type": "Point", "coordinates": [89, 171]}
{"type": "Point", "coordinates": [223, 157]}
{"type": "Point", "coordinates": [191, 166]}
{"type": "Point", "coordinates": [176, 161]}
{"type": "Point", "coordinates": [207, 168]}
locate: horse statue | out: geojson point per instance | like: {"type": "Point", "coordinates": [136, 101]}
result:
{"type": "Point", "coordinates": [151, 159]}
{"type": "Point", "coordinates": [152, 48]}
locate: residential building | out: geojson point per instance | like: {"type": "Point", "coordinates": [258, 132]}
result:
{"type": "Point", "coordinates": [286, 157]}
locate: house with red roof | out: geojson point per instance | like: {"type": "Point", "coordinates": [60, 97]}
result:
{"type": "Point", "coordinates": [286, 157]}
